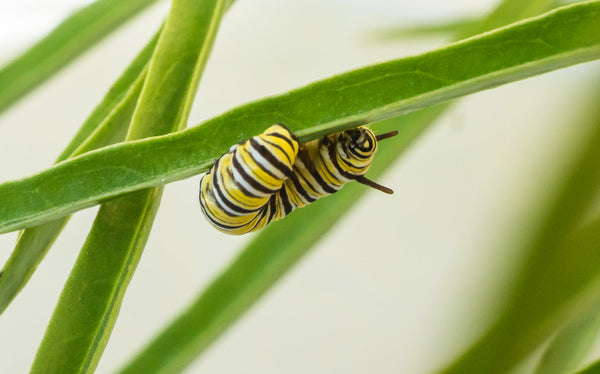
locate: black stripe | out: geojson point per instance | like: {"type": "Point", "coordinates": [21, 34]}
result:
{"type": "Point", "coordinates": [283, 137]}
{"type": "Point", "coordinates": [285, 199]}
{"type": "Point", "coordinates": [218, 189]}
{"type": "Point", "coordinates": [272, 206]}
{"type": "Point", "coordinates": [270, 157]}
{"type": "Point", "coordinates": [209, 216]}
{"type": "Point", "coordinates": [301, 189]}
{"type": "Point", "coordinates": [307, 182]}
{"type": "Point", "coordinates": [211, 191]}
{"type": "Point", "coordinates": [353, 151]}
{"type": "Point", "coordinates": [326, 167]}
{"type": "Point", "coordinates": [201, 179]}
{"type": "Point", "coordinates": [261, 166]}
{"type": "Point", "coordinates": [241, 187]}
{"type": "Point", "coordinates": [347, 162]}
{"type": "Point", "coordinates": [332, 155]}
{"type": "Point", "coordinates": [309, 165]}
{"type": "Point", "coordinates": [250, 180]}
{"type": "Point", "coordinates": [259, 216]}
{"type": "Point", "coordinates": [281, 149]}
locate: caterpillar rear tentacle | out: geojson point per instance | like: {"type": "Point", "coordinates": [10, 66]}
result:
{"type": "Point", "coordinates": [266, 177]}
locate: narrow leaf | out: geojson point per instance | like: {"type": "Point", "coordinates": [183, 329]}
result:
{"type": "Point", "coordinates": [62, 45]}
{"type": "Point", "coordinates": [504, 14]}
{"type": "Point", "coordinates": [559, 280]}
{"type": "Point", "coordinates": [119, 92]}
{"type": "Point", "coordinates": [593, 368]}
{"type": "Point", "coordinates": [82, 321]}
{"type": "Point", "coordinates": [425, 29]}
{"type": "Point", "coordinates": [107, 124]}
{"type": "Point", "coordinates": [87, 309]}
{"type": "Point", "coordinates": [467, 26]}
{"type": "Point", "coordinates": [560, 38]}
{"type": "Point", "coordinates": [273, 251]}
{"type": "Point", "coordinates": [267, 258]}
{"type": "Point", "coordinates": [572, 343]}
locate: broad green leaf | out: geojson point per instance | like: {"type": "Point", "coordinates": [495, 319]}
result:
{"type": "Point", "coordinates": [560, 38]}
{"type": "Point", "coordinates": [560, 278]}
{"type": "Point", "coordinates": [572, 342]}
{"type": "Point", "coordinates": [62, 45]}
{"type": "Point", "coordinates": [88, 306]}
{"type": "Point", "coordinates": [107, 124]}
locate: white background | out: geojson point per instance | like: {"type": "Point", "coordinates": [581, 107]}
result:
{"type": "Point", "coordinates": [400, 285]}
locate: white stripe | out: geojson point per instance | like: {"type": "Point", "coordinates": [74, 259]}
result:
{"type": "Point", "coordinates": [219, 200]}
{"type": "Point", "coordinates": [237, 176]}
{"type": "Point", "coordinates": [264, 162]}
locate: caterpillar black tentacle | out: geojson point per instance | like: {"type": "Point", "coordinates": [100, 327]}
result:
{"type": "Point", "coordinates": [266, 177]}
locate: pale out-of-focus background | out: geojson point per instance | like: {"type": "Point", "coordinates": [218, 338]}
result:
{"type": "Point", "coordinates": [401, 284]}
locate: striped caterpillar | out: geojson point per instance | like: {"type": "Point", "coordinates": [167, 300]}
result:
{"type": "Point", "coordinates": [267, 176]}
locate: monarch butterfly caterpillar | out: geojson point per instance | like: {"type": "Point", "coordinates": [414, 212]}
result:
{"type": "Point", "coordinates": [267, 176]}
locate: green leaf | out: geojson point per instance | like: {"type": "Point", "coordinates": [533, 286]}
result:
{"type": "Point", "coordinates": [560, 38]}
{"type": "Point", "coordinates": [467, 26]}
{"type": "Point", "coordinates": [593, 368]}
{"type": "Point", "coordinates": [103, 120]}
{"type": "Point", "coordinates": [89, 303]}
{"type": "Point", "coordinates": [88, 306]}
{"type": "Point", "coordinates": [425, 29]}
{"type": "Point", "coordinates": [505, 12]}
{"type": "Point", "coordinates": [107, 124]}
{"type": "Point", "coordinates": [571, 343]}
{"type": "Point", "coordinates": [559, 279]}
{"type": "Point", "coordinates": [272, 252]}
{"type": "Point", "coordinates": [62, 45]}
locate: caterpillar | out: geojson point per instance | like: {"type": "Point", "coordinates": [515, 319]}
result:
{"type": "Point", "coordinates": [266, 177]}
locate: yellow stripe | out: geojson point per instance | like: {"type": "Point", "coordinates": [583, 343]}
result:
{"type": "Point", "coordinates": [256, 171]}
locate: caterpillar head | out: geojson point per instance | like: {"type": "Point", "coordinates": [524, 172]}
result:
{"type": "Point", "coordinates": [360, 143]}
{"type": "Point", "coordinates": [354, 151]}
